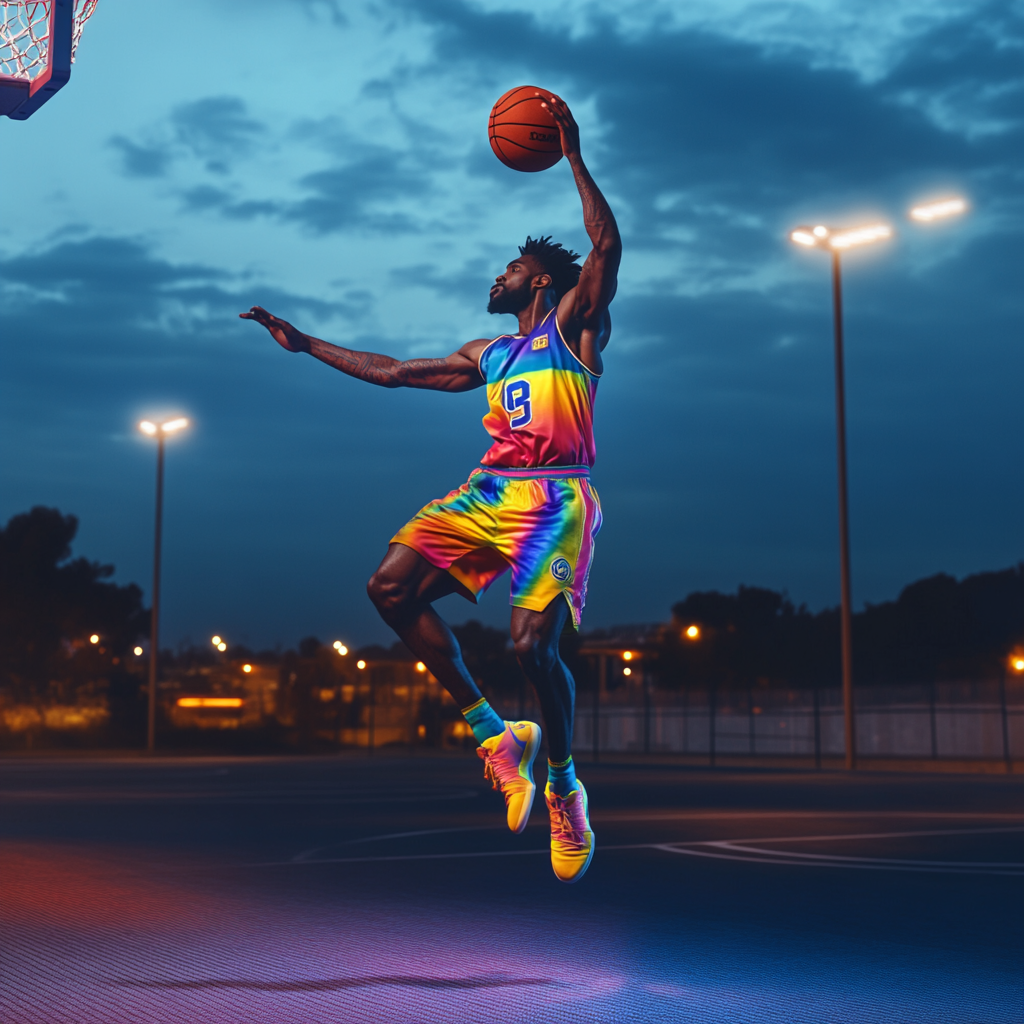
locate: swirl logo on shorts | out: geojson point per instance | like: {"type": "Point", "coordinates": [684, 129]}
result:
{"type": "Point", "coordinates": [561, 570]}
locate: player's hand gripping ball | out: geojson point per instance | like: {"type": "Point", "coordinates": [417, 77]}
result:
{"type": "Point", "coordinates": [523, 132]}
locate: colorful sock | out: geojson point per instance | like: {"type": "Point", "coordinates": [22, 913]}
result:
{"type": "Point", "coordinates": [562, 777]}
{"type": "Point", "coordinates": [483, 720]}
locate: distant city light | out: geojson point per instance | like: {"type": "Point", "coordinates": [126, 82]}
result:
{"type": "Point", "coordinates": [95, 638]}
{"type": "Point", "coordinates": [209, 702]}
{"type": "Point", "coordinates": [693, 632]}
{"type": "Point", "coordinates": [937, 210]}
{"type": "Point", "coordinates": [216, 641]}
{"type": "Point", "coordinates": [222, 646]}
{"type": "Point", "coordinates": [860, 236]}
{"type": "Point", "coordinates": [1017, 664]}
{"type": "Point", "coordinates": [138, 651]}
{"type": "Point", "coordinates": [247, 668]}
{"type": "Point", "coordinates": [627, 655]}
{"type": "Point", "coordinates": [340, 647]}
{"type": "Point", "coordinates": [420, 667]}
{"type": "Point", "coordinates": [360, 664]}
{"type": "Point", "coordinates": [627, 671]}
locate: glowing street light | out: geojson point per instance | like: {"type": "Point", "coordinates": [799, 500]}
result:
{"type": "Point", "coordinates": [360, 664]}
{"type": "Point", "coordinates": [627, 655]}
{"type": "Point", "coordinates": [247, 669]}
{"type": "Point", "coordinates": [928, 212]}
{"type": "Point", "coordinates": [161, 431]}
{"type": "Point", "coordinates": [95, 638]}
{"type": "Point", "coordinates": [693, 632]}
{"type": "Point", "coordinates": [340, 647]}
{"type": "Point", "coordinates": [838, 241]}
{"type": "Point", "coordinates": [1017, 664]}
{"type": "Point", "coordinates": [216, 641]}
{"type": "Point", "coordinates": [420, 667]}
{"type": "Point", "coordinates": [137, 651]}
{"type": "Point", "coordinates": [627, 671]}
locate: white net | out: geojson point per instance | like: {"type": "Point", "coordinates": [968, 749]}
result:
{"type": "Point", "coordinates": [25, 35]}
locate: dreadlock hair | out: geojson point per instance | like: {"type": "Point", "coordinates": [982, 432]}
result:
{"type": "Point", "coordinates": [558, 262]}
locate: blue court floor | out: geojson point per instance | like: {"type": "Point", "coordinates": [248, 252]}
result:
{"type": "Point", "coordinates": [348, 890]}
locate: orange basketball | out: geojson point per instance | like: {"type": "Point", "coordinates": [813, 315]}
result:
{"type": "Point", "coordinates": [523, 134]}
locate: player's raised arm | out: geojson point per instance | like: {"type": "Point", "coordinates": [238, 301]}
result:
{"type": "Point", "coordinates": [457, 372]}
{"type": "Point", "coordinates": [585, 307]}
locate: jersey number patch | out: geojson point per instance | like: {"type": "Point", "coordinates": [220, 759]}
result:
{"type": "Point", "coordinates": [517, 403]}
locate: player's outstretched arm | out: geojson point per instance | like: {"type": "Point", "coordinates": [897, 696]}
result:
{"type": "Point", "coordinates": [457, 372]}
{"type": "Point", "coordinates": [583, 311]}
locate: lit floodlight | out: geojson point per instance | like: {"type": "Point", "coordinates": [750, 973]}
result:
{"type": "Point", "coordinates": [693, 632]}
{"type": "Point", "coordinates": [222, 646]}
{"type": "Point", "coordinates": [340, 647]}
{"type": "Point", "coordinates": [802, 237]}
{"type": "Point", "coordinates": [216, 641]}
{"type": "Point", "coordinates": [360, 664]}
{"type": "Point", "coordinates": [627, 671]}
{"type": "Point", "coordinates": [138, 651]}
{"type": "Point", "coordinates": [937, 210]}
{"type": "Point", "coordinates": [147, 428]}
{"type": "Point", "coordinates": [171, 426]}
{"type": "Point", "coordinates": [627, 655]}
{"type": "Point", "coordinates": [860, 236]}
{"type": "Point", "coordinates": [1017, 664]}
{"type": "Point", "coordinates": [95, 638]}
{"type": "Point", "coordinates": [247, 668]}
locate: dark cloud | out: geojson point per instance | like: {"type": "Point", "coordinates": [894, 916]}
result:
{"type": "Point", "coordinates": [358, 194]}
{"type": "Point", "coordinates": [217, 131]}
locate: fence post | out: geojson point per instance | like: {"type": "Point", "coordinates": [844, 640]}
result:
{"type": "Point", "coordinates": [931, 721]}
{"type": "Point", "coordinates": [647, 714]}
{"type": "Point", "coordinates": [373, 713]}
{"type": "Point", "coordinates": [712, 694]}
{"type": "Point", "coordinates": [817, 727]}
{"type": "Point", "coordinates": [1006, 726]}
{"type": "Point", "coordinates": [602, 680]}
{"type": "Point", "coordinates": [750, 718]}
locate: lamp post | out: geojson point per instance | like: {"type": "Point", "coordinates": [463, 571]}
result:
{"type": "Point", "coordinates": [160, 431]}
{"type": "Point", "coordinates": [836, 241]}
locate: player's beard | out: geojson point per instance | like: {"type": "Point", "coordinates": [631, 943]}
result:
{"type": "Point", "coordinates": [507, 301]}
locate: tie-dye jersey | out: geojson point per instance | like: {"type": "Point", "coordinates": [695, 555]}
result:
{"type": "Point", "coordinates": [541, 398]}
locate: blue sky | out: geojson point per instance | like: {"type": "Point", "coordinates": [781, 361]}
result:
{"type": "Point", "coordinates": [330, 162]}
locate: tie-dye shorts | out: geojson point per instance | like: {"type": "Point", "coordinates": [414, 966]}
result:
{"type": "Point", "coordinates": [541, 523]}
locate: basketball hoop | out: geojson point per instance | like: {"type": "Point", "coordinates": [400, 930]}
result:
{"type": "Point", "coordinates": [38, 39]}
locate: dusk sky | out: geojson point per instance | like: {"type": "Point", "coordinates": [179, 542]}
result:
{"type": "Point", "coordinates": [330, 162]}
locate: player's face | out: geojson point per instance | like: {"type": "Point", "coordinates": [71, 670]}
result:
{"type": "Point", "coordinates": [512, 291]}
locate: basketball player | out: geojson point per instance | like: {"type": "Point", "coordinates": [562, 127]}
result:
{"type": "Point", "coordinates": [529, 507]}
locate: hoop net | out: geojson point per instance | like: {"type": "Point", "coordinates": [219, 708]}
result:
{"type": "Point", "coordinates": [25, 35]}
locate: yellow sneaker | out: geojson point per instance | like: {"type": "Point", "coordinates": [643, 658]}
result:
{"type": "Point", "coordinates": [508, 764]}
{"type": "Point", "coordinates": [572, 840]}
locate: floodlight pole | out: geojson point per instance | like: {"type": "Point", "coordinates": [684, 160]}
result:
{"type": "Point", "coordinates": [154, 622]}
{"type": "Point", "coordinates": [846, 621]}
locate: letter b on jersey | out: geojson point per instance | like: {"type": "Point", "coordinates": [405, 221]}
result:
{"type": "Point", "coordinates": [517, 403]}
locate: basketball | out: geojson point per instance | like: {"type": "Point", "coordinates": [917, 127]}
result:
{"type": "Point", "coordinates": [523, 134]}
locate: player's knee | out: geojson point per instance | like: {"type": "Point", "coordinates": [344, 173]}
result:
{"type": "Point", "coordinates": [534, 653]}
{"type": "Point", "coordinates": [388, 595]}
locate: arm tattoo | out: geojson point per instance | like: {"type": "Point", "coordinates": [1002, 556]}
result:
{"type": "Point", "coordinates": [383, 370]}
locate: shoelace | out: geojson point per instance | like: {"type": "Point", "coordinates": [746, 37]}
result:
{"type": "Point", "coordinates": [493, 764]}
{"type": "Point", "coordinates": [563, 827]}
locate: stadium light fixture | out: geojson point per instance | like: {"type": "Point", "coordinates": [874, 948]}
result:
{"type": "Point", "coordinates": [927, 212]}
{"type": "Point", "coordinates": [160, 431]}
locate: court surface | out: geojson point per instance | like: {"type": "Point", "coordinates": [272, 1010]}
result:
{"type": "Point", "coordinates": [352, 889]}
